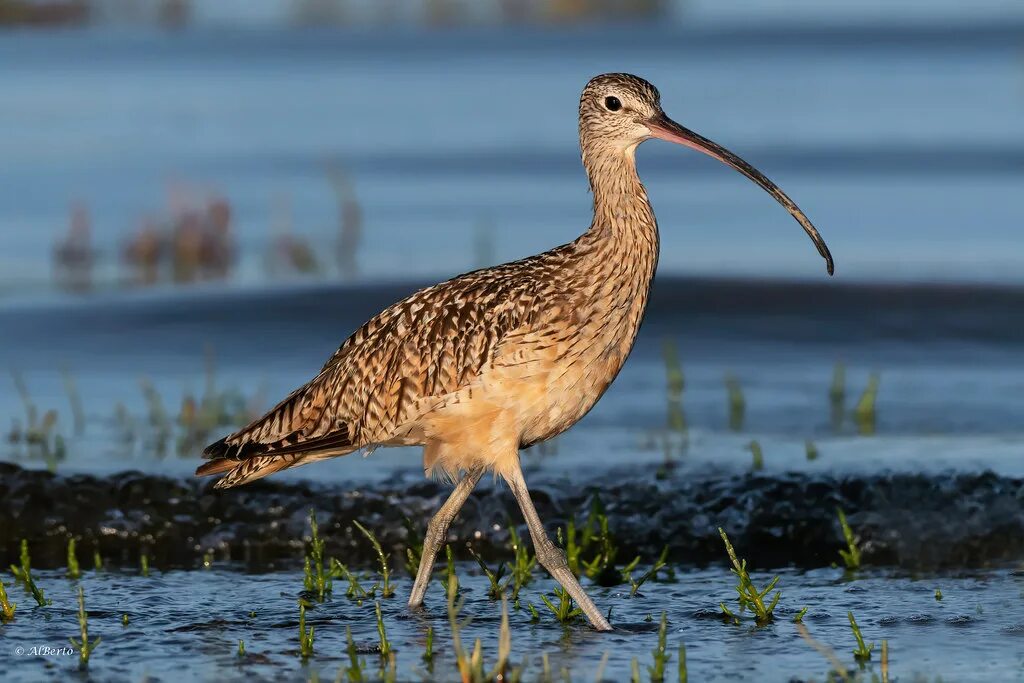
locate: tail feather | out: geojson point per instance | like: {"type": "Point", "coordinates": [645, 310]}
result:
{"type": "Point", "coordinates": [252, 469]}
{"type": "Point", "coordinates": [294, 431]}
{"type": "Point", "coordinates": [215, 467]}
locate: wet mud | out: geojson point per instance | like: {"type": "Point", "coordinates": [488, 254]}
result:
{"type": "Point", "coordinates": [910, 521]}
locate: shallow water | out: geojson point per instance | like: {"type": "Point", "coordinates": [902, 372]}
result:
{"type": "Point", "coordinates": [189, 624]}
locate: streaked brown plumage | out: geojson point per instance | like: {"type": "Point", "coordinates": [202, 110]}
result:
{"type": "Point", "coordinates": [477, 367]}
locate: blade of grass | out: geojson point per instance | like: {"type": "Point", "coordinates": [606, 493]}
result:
{"type": "Point", "coordinates": [386, 589]}
{"type": "Point", "coordinates": [84, 645]}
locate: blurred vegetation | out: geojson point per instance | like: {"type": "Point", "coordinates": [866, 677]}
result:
{"type": "Point", "coordinates": [199, 419]}
{"type": "Point", "coordinates": [429, 13]}
{"type": "Point", "coordinates": [51, 13]}
{"type": "Point", "coordinates": [192, 240]}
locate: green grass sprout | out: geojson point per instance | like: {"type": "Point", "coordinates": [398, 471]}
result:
{"type": "Point", "coordinates": [863, 652]}
{"type": "Point", "coordinates": [354, 670]}
{"type": "Point", "coordinates": [387, 589]}
{"type": "Point", "coordinates": [864, 413]}
{"type": "Point", "coordinates": [84, 645]}
{"type": "Point", "coordinates": [496, 588]}
{"type": "Point", "coordinates": [451, 580]}
{"type": "Point", "coordinates": [597, 537]}
{"type": "Point", "coordinates": [660, 653]}
{"type": "Point", "coordinates": [757, 455]}
{"type": "Point", "coordinates": [428, 648]}
{"type": "Point", "coordinates": [23, 573]}
{"type": "Point", "coordinates": [675, 383]}
{"type": "Point", "coordinates": [73, 571]}
{"type": "Point", "coordinates": [523, 563]}
{"type": "Point", "coordinates": [74, 399]}
{"type": "Point", "coordinates": [851, 556]}
{"type": "Point", "coordinates": [837, 395]}
{"type": "Point", "coordinates": [7, 607]}
{"type": "Point", "coordinates": [305, 636]}
{"type": "Point", "coordinates": [737, 404]}
{"type": "Point", "coordinates": [571, 546]}
{"type": "Point", "coordinates": [810, 450]}
{"type": "Point", "coordinates": [23, 570]}
{"type": "Point", "coordinates": [749, 596]}
{"type": "Point", "coordinates": [317, 579]}
{"type": "Point", "coordinates": [385, 644]}
{"type": "Point", "coordinates": [534, 614]}
{"type": "Point", "coordinates": [566, 611]}
{"type": "Point", "coordinates": [355, 590]}
{"type": "Point", "coordinates": [414, 549]}
{"type": "Point", "coordinates": [651, 573]}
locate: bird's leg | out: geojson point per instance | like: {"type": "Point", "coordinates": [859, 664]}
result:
{"type": "Point", "coordinates": [550, 556]}
{"type": "Point", "coordinates": [437, 531]}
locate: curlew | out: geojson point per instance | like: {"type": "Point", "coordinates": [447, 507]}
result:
{"type": "Point", "coordinates": [476, 368]}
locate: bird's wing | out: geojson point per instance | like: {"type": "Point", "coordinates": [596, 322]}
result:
{"type": "Point", "coordinates": [429, 345]}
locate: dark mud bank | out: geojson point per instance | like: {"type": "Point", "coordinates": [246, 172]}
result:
{"type": "Point", "coordinates": [910, 521]}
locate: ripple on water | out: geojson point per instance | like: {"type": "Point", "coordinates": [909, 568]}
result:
{"type": "Point", "coordinates": [961, 620]}
{"type": "Point", "coordinates": [169, 638]}
{"type": "Point", "coordinates": [920, 619]}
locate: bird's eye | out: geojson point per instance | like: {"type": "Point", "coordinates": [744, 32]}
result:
{"type": "Point", "coordinates": [612, 103]}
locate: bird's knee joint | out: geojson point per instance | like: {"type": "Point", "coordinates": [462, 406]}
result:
{"type": "Point", "coordinates": [437, 531]}
{"type": "Point", "coordinates": [551, 557]}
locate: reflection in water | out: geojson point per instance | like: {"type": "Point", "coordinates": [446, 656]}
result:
{"type": "Point", "coordinates": [194, 243]}
{"type": "Point", "coordinates": [350, 222]}
{"type": "Point", "coordinates": [73, 254]}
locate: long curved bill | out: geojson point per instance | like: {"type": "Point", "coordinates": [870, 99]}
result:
{"type": "Point", "coordinates": [664, 128]}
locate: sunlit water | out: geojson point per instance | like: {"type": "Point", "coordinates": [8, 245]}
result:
{"type": "Point", "coordinates": [189, 624]}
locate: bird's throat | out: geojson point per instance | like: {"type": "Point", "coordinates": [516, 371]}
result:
{"type": "Point", "coordinates": [624, 227]}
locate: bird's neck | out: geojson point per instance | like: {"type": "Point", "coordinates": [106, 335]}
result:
{"type": "Point", "coordinates": [616, 258]}
{"type": "Point", "coordinates": [624, 227]}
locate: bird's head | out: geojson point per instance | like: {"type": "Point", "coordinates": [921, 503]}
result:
{"type": "Point", "coordinates": [619, 111]}
{"type": "Point", "coordinates": [615, 110]}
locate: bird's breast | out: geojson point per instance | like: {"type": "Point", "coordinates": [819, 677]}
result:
{"type": "Point", "coordinates": [565, 375]}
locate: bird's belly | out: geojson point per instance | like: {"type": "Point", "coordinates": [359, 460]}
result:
{"type": "Point", "coordinates": [549, 397]}
{"type": "Point", "coordinates": [524, 402]}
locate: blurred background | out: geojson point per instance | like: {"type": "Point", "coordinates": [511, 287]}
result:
{"type": "Point", "coordinates": [165, 142]}
{"type": "Point", "coordinates": [208, 195]}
